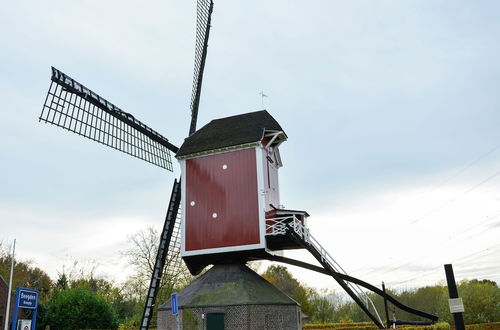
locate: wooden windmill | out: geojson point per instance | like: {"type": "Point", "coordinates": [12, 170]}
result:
{"type": "Point", "coordinates": [229, 192]}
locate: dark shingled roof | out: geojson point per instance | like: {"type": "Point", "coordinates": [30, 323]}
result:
{"type": "Point", "coordinates": [229, 131]}
{"type": "Point", "coordinates": [230, 285]}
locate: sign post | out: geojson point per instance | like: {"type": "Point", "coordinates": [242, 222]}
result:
{"type": "Point", "coordinates": [456, 304]}
{"type": "Point", "coordinates": [25, 298]}
{"type": "Point", "coordinates": [175, 309]}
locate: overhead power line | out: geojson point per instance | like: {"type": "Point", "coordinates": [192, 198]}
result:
{"type": "Point", "coordinates": [491, 177]}
{"type": "Point", "coordinates": [476, 256]}
{"type": "Point", "coordinates": [466, 167]}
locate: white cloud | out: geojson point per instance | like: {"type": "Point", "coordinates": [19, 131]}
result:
{"type": "Point", "coordinates": [374, 236]}
{"type": "Point", "coordinates": [55, 239]}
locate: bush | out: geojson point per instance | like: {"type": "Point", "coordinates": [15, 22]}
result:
{"type": "Point", "coordinates": [342, 326]}
{"type": "Point", "coordinates": [80, 309]}
{"type": "Point", "coordinates": [131, 323]}
{"type": "Point", "coordinates": [371, 326]}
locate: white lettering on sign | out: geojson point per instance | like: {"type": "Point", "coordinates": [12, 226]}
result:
{"type": "Point", "coordinates": [456, 305]}
{"type": "Point", "coordinates": [28, 299]}
{"type": "Point", "coordinates": [27, 296]}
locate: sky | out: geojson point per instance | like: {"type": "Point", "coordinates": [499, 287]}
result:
{"type": "Point", "coordinates": [391, 110]}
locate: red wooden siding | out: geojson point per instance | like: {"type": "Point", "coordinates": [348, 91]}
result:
{"type": "Point", "coordinates": [231, 193]}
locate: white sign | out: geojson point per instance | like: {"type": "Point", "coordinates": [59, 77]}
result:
{"type": "Point", "coordinates": [456, 305]}
{"type": "Point", "coordinates": [24, 324]}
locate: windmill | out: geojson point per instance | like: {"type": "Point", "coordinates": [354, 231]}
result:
{"type": "Point", "coordinates": [229, 193]}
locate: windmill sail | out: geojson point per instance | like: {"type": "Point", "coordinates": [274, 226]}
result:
{"type": "Point", "coordinates": [168, 260]}
{"type": "Point", "coordinates": [72, 106]}
{"type": "Point", "coordinates": [203, 18]}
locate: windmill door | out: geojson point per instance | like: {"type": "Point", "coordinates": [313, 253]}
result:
{"type": "Point", "coordinates": [215, 321]}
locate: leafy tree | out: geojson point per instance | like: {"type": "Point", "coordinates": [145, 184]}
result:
{"type": "Point", "coordinates": [481, 301]}
{"type": "Point", "coordinates": [26, 275]}
{"type": "Point", "coordinates": [131, 323]}
{"type": "Point", "coordinates": [430, 299]}
{"type": "Point", "coordinates": [62, 282]}
{"type": "Point", "coordinates": [327, 307]}
{"type": "Point", "coordinates": [280, 277]}
{"type": "Point", "coordinates": [82, 277]}
{"type": "Point", "coordinates": [80, 309]}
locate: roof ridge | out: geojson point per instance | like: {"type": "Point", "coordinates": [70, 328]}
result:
{"type": "Point", "coordinates": [240, 115]}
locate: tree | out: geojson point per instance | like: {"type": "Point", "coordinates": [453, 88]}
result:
{"type": "Point", "coordinates": [79, 276]}
{"type": "Point", "coordinates": [62, 282]}
{"type": "Point", "coordinates": [80, 309]}
{"type": "Point", "coordinates": [25, 274]}
{"type": "Point", "coordinates": [481, 301]}
{"type": "Point", "coordinates": [141, 255]}
{"type": "Point", "coordinates": [280, 277]}
{"type": "Point", "coordinates": [324, 307]}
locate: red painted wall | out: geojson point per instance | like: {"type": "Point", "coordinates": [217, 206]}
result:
{"type": "Point", "coordinates": [231, 193]}
{"type": "Point", "coordinates": [4, 291]}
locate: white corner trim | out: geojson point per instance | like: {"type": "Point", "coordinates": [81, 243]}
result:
{"type": "Point", "coordinates": [223, 249]}
{"type": "Point", "coordinates": [260, 193]}
{"type": "Point", "coordinates": [182, 164]}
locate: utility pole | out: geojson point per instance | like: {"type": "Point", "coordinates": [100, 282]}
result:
{"type": "Point", "coordinates": [9, 293]}
{"type": "Point", "coordinates": [456, 304]}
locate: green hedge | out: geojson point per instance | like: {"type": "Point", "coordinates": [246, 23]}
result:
{"type": "Point", "coordinates": [342, 326]}
{"type": "Point", "coordinates": [371, 326]}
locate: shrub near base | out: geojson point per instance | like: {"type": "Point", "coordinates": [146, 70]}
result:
{"type": "Point", "coordinates": [79, 309]}
{"type": "Point", "coordinates": [342, 326]}
{"type": "Point", "coordinates": [371, 326]}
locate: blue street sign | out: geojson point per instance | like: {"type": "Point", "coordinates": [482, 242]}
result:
{"type": "Point", "coordinates": [173, 300]}
{"type": "Point", "coordinates": [28, 298]}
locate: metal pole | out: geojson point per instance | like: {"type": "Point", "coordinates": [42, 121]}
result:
{"type": "Point", "coordinates": [33, 318]}
{"type": "Point", "coordinates": [385, 307]}
{"type": "Point", "coordinates": [10, 286]}
{"type": "Point", "coordinates": [452, 290]}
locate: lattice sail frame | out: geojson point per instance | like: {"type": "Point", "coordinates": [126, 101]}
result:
{"type": "Point", "coordinates": [204, 10]}
{"type": "Point", "coordinates": [173, 263]}
{"type": "Point", "coordinates": [74, 107]}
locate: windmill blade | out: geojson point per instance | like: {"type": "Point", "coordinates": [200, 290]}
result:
{"type": "Point", "coordinates": [74, 107]}
{"type": "Point", "coordinates": [204, 10]}
{"type": "Point", "coordinates": [168, 260]}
